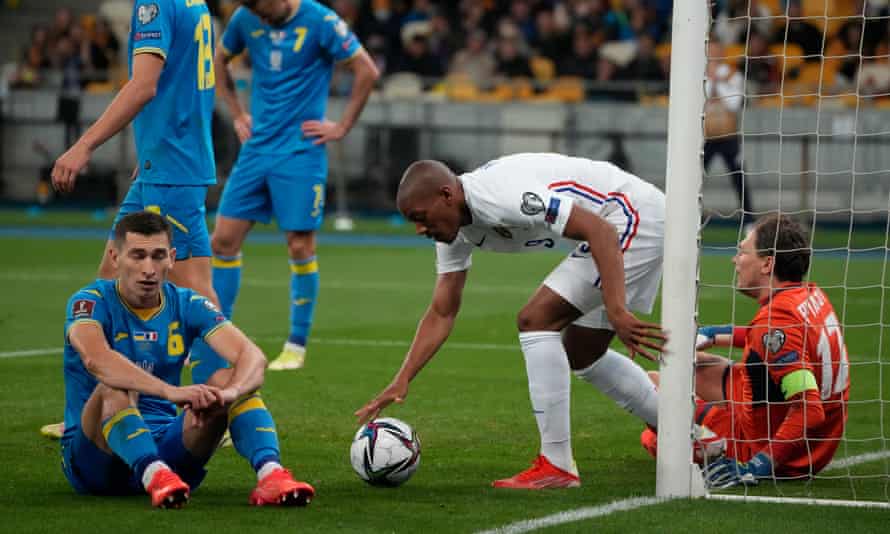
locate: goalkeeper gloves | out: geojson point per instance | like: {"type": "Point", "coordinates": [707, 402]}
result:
{"type": "Point", "coordinates": [708, 334]}
{"type": "Point", "coordinates": [727, 472]}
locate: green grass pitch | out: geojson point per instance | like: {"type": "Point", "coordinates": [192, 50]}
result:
{"type": "Point", "coordinates": [470, 406]}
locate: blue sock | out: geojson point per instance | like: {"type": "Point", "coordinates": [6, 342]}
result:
{"type": "Point", "coordinates": [227, 281]}
{"type": "Point", "coordinates": [253, 431]}
{"type": "Point", "coordinates": [128, 437]}
{"type": "Point", "coordinates": [204, 361]}
{"type": "Point", "coordinates": [303, 294]}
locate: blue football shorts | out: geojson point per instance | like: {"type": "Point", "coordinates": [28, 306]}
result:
{"type": "Point", "coordinates": [92, 471]}
{"type": "Point", "coordinates": [289, 187]}
{"type": "Point", "coordinates": [181, 205]}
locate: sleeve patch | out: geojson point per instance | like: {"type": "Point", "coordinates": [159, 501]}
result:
{"type": "Point", "coordinates": [82, 308]}
{"type": "Point", "coordinates": [139, 36]}
{"type": "Point", "coordinates": [147, 13]}
{"type": "Point", "coordinates": [774, 340]}
{"type": "Point", "coordinates": [552, 210]}
{"type": "Point", "coordinates": [531, 204]}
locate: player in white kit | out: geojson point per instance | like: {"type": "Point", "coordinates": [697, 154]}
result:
{"type": "Point", "coordinates": [527, 202]}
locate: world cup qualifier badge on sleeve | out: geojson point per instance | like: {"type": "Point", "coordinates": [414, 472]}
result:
{"type": "Point", "coordinates": [531, 204]}
{"type": "Point", "coordinates": [82, 308]}
{"type": "Point", "coordinates": [147, 13]}
{"type": "Point", "coordinates": [774, 340]}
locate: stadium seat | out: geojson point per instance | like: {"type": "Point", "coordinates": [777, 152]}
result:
{"type": "Point", "coordinates": [791, 56]}
{"type": "Point", "coordinates": [461, 88]}
{"type": "Point", "coordinates": [402, 85]}
{"type": "Point", "coordinates": [543, 68]}
{"type": "Point", "coordinates": [733, 52]}
{"type": "Point", "coordinates": [566, 89]}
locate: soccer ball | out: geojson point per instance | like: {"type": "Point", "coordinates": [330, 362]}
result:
{"type": "Point", "coordinates": [385, 452]}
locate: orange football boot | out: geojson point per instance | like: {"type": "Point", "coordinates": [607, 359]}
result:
{"type": "Point", "coordinates": [541, 475]}
{"type": "Point", "coordinates": [279, 488]}
{"type": "Point", "coordinates": [167, 490]}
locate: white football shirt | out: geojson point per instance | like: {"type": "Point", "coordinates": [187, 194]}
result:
{"type": "Point", "coordinates": [522, 202]}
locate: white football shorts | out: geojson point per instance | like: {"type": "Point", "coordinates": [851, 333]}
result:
{"type": "Point", "coordinates": [577, 279]}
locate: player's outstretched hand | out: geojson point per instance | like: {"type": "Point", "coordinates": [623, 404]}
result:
{"type": "Point", "coordinates": [638, 335]}
{"type": "Point", "coordinates": [393, 393]}
{"type": "Point", "coordinates": [68, 166]}
{"type": "Point", "coordinates": [198, 397]}
{"type": "Point", "coordinates": [727, 472]}
{"type": "Point", "coordinates": [243, 126]}
{"type": "Point", "coordinates": [323, 131]}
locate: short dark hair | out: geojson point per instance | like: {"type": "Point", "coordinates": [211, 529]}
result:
{"type": "Point", "coordinates": [141, 222]}
{"type": "Point", "coordinates": [787, 242]}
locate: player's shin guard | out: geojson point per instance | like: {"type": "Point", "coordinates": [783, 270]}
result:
{"type": "Point", "coordinates": [548, 386]}
{"type": "Point", "coordinates": [625, 382]}
{"type": "Point", "coordinates": [129, 438]}
{"type": "Point", "coordinates": [303, 294]}
{"type": "Point", "coordinates": [204, 361]}
{"type": "Point", "coordinates": [227, 281]}
{"type": "Point", "coordinates": [253, 431]}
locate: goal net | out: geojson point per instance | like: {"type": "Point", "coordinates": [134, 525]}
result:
{"type": "Point", "coordinates": [796, 120]}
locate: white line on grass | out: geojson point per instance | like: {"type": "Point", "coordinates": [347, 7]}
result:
{"type": "Point", "coordinates": [856, 460]}
{"type": "Point", "coordinates": [579, 514]}
{"type": "Point", "coordinates": [282, 283]}
{"type": "Point", "coordinates": [321, 341]}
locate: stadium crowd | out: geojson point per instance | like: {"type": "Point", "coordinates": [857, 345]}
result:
{"type": "Point", "coordinates": [537, 49]}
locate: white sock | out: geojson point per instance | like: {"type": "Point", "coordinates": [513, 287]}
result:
{"type": "Point", "coordinates": [267, 468]}
{"type": "Point", "coordinates": [150, 471]}
{"type": "Point", "coordinates": [625, 382]}
{"type": "Point", "coordinates": [549, 388]}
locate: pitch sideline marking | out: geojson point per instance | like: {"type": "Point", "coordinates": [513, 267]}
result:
{"type": "Point", "coordinates": [322, 341]}
{"type": "Point", "coordinates": [578, 514]}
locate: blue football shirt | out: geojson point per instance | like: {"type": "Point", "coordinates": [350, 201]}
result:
{"type": "Point", "coordinates": [156, 340]}
{"type": "Point", "coordinates": [172, 131]}
{"type": "Point", "coordinates": [292, 66]}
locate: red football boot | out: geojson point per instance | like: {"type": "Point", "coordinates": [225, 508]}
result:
{"type": "Point", "coordinates": [541, 475]}
{"type": "Point", "coordinates": [167, 490]}
{"type": "Point", "coordinates": [279, 488]}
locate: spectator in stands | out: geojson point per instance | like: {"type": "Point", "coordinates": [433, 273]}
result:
{"type": "Point", "coordinates": [60, 28]}
{"type": "Point", "coordinates": [849, 44]}
{"type": "Point", "coordinates": [732, 21]}
{"type": "Point", "coordinates": [521, 16]}
{"type": "Point", "coordinates": [874, 76]}
{"type": "Point", "coordinates": [511, 61]}
{"type": "Point", "coordinates": [35, 58]}
{"type": "Point", "coordinates": [417, 57]}
{"type": "Point", "coordinates": [617, 21]}
{"type": "Point", "coordinates": [475, 61]}
{"type": "Point", "coordinates": [643, 22]}
{"type": "Point", "coordinates": [645, 66]}
{"type": "Point", "coordinates": [582, 61]}
{"type": "Point", "coordinates": [875, 28]}
{"type": "Point", "coordinates": [800, 31]}
{"type": "Point", "coordinates": [550, 41]}
{"type": "Point", "coordinates": [444, 43]}
{"type": "Point", "coordinates": [724, 91]}
{"type": "Point", "coordinates": [103, 50]}
{"type": "Point", "coordinates": [69, 60]}
{"type": "Point", "coordinates": [763, 74]}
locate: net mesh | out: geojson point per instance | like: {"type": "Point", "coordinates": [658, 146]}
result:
{"type": "Point", "coordinates": [797, 120]}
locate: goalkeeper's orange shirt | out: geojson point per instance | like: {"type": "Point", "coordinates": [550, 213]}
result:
{"type": "Point", "coordinates": [795, 328]}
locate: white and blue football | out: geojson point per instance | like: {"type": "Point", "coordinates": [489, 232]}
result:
{"type": "Point", "coordinates": [385, 452]}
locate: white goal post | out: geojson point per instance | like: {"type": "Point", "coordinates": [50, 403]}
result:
{"type": "Point", "coordinates": [675, 471]}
